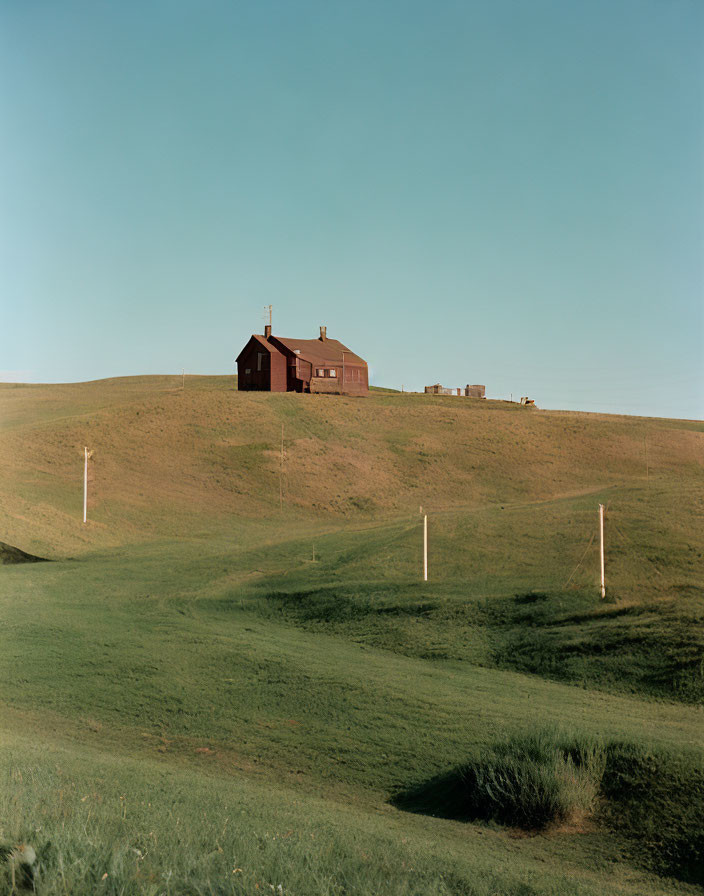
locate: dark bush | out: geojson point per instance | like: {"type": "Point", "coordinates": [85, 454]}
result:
{"type": "Point", "coordinates": [529, 781]}
{"type": "Point", "coordinates": [651, 800]}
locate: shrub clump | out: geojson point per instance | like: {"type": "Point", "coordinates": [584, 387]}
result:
{"type": "Point", "coordinates": [651, 799]}
{"type": "Point", "coordinates": [530, 781]}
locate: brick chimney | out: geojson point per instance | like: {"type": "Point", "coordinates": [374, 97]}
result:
{"type": "Point", "coordinates": [323, 333]}
{"type": "Point", "coordinates": [267, 331]}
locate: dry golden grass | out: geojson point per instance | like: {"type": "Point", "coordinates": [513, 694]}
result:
{"type": "Point", "coordinates": [168, 462]}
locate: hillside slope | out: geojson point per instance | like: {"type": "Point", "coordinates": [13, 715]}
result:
{"type": "Point", "coordinates": [167, 462]}
{"type": "Point", "coordinates": [512, 496]}
{"type": "Point", "coordinates": [229, 675]}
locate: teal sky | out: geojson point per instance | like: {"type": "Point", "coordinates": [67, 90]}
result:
{"type": "Point", "coordinates": [500, 192]}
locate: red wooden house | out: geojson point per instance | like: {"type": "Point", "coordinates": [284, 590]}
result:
{"type": "Point", "coordinates": [276, 364]}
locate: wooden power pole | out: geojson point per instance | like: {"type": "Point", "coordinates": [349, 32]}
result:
{"type": "Point", "coordinates": [85, 485]}
{"type": "Point", "coordinates": [601, 540]}
{"type": "Point", "coordinates": [281, 472]}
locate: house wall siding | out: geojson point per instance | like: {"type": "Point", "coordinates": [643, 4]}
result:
{"type": "Point", "coordinates": [356, 379]}
{"type": "Point", "coordinates": [259, 376]}
{"type": "Point", "coordinates": [278, 373]}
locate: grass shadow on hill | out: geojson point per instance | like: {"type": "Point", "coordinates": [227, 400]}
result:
{"type": "Point", "coordinates": [655, 800]}
{"type": "Point", "coordinates": [654, 649]}
{"type": "Point", "coordinates": [12, 555]}
{"type": "Point", "coordinates": [335, 605]}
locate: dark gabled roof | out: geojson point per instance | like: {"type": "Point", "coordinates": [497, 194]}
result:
{"type": "Point", "coordinates": [267, 345]}
{"type": "Point", "coordinates": [319, 351]}
{"type": "Point", "coordinates": [260, 340]}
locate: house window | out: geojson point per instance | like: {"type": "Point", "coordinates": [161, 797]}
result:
{"type": "Point", "coordinates": [260, 358]}
{"type": "Point", "coordinates": [319, 371]}
{"type": "Point", "coordinates": [332, 372]}
{"type": "Point", "coordinates": [247, 371]}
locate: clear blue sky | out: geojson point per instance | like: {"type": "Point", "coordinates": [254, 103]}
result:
{"type": "Point", "coordinates": [500, 192]}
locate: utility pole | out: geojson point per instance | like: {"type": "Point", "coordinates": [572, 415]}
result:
{"type": "Point", "coordinates": [85, 485]}
{"type": "Point", "coordinates": [601, 537]}
{"type": "Point", "coordinates": [281, 472]}
{"type": "Point", "coordinates": [425, 548]}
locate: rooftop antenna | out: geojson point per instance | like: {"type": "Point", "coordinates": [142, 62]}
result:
{"type": "Point", "coordinates": [267, 326]}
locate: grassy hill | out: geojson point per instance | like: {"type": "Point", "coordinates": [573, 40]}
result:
{"type": "Point", "coordinates": [227, 677]}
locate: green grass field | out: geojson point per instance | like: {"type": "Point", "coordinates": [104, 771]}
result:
{"type": "Point", "coordinates": [234, 680]}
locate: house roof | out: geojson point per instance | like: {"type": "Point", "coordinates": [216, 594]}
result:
{"type": "Point", "coordinates": [267, 345]}
{"type": "Point", "coordinates": [319, 351]}
{"type": "Point", "coordinates": [261, 341]}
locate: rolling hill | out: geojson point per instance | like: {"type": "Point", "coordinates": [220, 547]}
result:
{"type": "Point", "coordinates": [227, 678]}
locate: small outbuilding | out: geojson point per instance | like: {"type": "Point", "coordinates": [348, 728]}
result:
{"type": "Point", "coordinates": [469, 391]}
{"type": "Point", "coordinates": [271, 363]}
